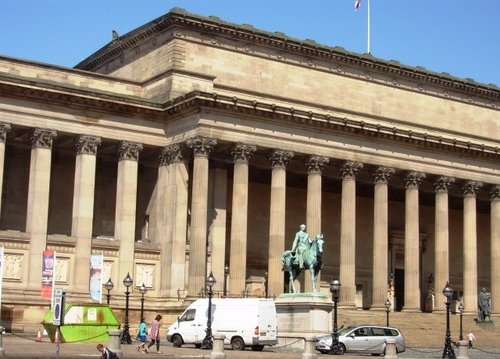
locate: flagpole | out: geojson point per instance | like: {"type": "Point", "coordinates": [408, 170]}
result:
{"type": "Point", "coordinates": [368, 45]}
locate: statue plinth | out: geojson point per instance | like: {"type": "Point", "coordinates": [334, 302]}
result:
{"type": "Point", "coordinates": [303, 315]}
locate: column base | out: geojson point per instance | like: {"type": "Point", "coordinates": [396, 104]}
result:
{"type": "Point", "coordinates": [411, 310]}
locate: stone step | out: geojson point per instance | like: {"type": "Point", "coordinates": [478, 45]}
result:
{"type": "Point", "coordinates": [427, 330]}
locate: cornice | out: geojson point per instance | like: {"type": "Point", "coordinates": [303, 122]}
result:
{"type": "Point", "coordinates": [180, 19]}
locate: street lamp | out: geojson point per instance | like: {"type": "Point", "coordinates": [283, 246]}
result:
{"type": "Point", "coordinates": [207, 342]}
{"type": "Point", "coordinates": [226, 273]}
{"type": "Point", "coordinates": [108, 285]}
{"type": "Point", "coordinates": [336, 347]}
{"type": "Point", "coordinates": [448, 350]}
{"type": "Point", "coordinates": [142, 290]}
{"type": "Point", "coordinates": [266, 278]}
{"type": "Point", "coordinates": [125, 339]}
{"type": "Point", "coordinates": [387, 310]}
{"type": "Point", "coordinates": [461, 310]}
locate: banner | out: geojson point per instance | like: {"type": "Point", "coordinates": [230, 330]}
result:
{"type": "Point", "coordinates": [96, 264]}
{"type": "Point", "coordinates": [48, 273]}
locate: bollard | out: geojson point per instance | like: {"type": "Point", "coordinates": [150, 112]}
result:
{"type": "Point", "coordinates": [114, 342]}
{"type": "Point", "coordinates": [218, 347]}
{"type": "Point", "coordinates": [463, 349]}
{"type": "Point", "coordinates": [2, 351]}
{"type": "Point", "coordinates": [390, 349]}
{"type": "Point", "coordinates": [309, 348]}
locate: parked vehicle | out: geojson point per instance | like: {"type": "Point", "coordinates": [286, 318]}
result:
{"type": "Point", "coordinates": [369, 339]}
{"type": "Point", "coordinates": [246, 322]}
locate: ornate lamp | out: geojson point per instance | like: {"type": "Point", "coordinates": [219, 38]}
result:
{"type": "Point", "coordinates": [126, 339]}
{"type": "Point", "coordinates": [108, 285]}
{"type": "Point", "coordinates": [207, 342]}
{"type": "Point", "coordinates": [448, 349]}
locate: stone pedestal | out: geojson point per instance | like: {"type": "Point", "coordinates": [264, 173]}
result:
{"type": "Point", "coordinates": [302, 315]}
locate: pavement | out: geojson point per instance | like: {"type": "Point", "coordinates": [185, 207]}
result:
{"type": "Point", "coordinates": [18, 346]}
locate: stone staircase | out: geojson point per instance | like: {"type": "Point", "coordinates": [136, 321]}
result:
{"type": "Point", "coordinates": [427, 330]}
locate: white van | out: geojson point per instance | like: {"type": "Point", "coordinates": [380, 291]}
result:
{"type": "Point", "coordinates": [246, 322]}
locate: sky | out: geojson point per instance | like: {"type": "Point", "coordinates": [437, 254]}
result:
{"type": "Point", "coordinates": [458, 37]}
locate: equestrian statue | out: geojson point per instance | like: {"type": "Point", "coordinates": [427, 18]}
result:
{"type": "Point", "coordinates": [306, 254]}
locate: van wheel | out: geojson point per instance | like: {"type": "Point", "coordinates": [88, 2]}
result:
{"type": "Point", "coordinates": [197, 345]}
{"type": "Point", "coordinates": [237, 344]}
{"type": "Point", "coordinates": [257, 348]}
{"type": "Point", "coordinates": [177, 341]}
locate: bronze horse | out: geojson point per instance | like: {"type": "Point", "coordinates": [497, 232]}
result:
{"type": "Point", "coordinates": [313, 260]}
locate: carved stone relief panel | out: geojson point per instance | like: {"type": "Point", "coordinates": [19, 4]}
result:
{"type": "Point", "coordinates": [13, 267]}
{"type": "Point", "coordinates": [62, 270]}
{"type": "Point", "coordinates": [144, 273]}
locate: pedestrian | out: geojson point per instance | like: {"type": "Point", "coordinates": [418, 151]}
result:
{"type": "Point", "coordinates": [154, 334]}
{"type": "Point", "coordinates": [471, 337]}
{"type": "Point", "coordinates": [106, 353]}
{"type": "Point", "coordinates": [142, 336]}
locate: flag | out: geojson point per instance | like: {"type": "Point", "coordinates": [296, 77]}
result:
{"type": "Point", "coordinates": [357, 4]}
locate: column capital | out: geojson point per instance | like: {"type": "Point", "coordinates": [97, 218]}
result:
{"type": "Point", "coordinates": [280, 158]}
{"type": "Point", "coordinates": [350, 169]}
{"type": "Point", "coordinates": [443, 184]}
{"type": "Point", "coordinates": [413, 179]}
{"type": "Point", "coordinates": [243, 152]}
{"type": "Point", "coordinates": [470, 188]}
{"type": "Point", "coordinates": [382, 174]}
{"type": "Point", "coordinates": [4, 128]}
{"type": "Point", "coordinates": [202, 146]}
{"type": "Point", "coordinates": [42, 138]}
{"type": "Point", "coordinates": [173, 153]}
{"type": "Point", "coordinates": [129, 151]}
{"type": "Point", "coordinates": [87, 145]}
{"type": "Point", "coordinates": [495, 192]}
{"type": "Point", "coordinates": [315, 164]}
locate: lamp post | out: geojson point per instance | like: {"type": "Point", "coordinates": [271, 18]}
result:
{"type": "Point", "coordinates": [207, 342]}
{"type": "Point", "coordinates": [108, 285]}
{"type": "Point", "coordinates": [142, 290]}
{"type": "Point", "coordinates": [125, 339]}
{"type": "Point", "coordinates": [387, 311]}
{"type": "Point", "coordinates": [226, 273]}
{"type": "Point", "coordinates": [266, 277]}
{"type": "Point", "coordinates": [336, 347]}
{"type": "Point", "coordinates": [461, 310]}
{"type": "Point", "coordinates": [448, 349]}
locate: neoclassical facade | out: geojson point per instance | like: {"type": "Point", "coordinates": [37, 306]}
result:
{"type": "Point", "coordinates": [191, 144]}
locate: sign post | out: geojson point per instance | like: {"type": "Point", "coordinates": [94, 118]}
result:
{"type": "Point", "coordinates": [58, 318]}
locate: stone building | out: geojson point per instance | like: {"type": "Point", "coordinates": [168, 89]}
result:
{"type": "Point", "coordinates": [191, 144]}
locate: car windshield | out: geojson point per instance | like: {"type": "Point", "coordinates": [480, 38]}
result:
{"type": "Point", "coordinates": [345, 330]}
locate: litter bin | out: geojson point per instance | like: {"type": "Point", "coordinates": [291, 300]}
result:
{"type": "Point", "coordinates": [82, 323]}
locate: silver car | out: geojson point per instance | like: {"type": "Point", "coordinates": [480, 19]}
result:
{"type": "Point", "coordinates": [369, 339]}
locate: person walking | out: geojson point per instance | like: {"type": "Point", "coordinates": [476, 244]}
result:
{"type": "Point", "coordinates": [154, 334]}
{"type": "Point", "coordinates": [471, 337]}
{"type": "Point", "coordinates": [142, 336]}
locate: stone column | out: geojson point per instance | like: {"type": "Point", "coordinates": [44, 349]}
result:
{"type": "Point", "coordinates": [495, 249]}
{"type": "Point", "coordinates": [349, 171]}
{"type": "Point", "coordinates": [172, 209]}
{"type": "Point", "coordinates": [238, 252]}
{"type": "Point", "coordinates": [380, 237]}
{"type": "Point", "coordinates": [202, 147]}
{"type": "Point", "coordinates": [279, 160]}
{"type": "Point", "coordinates": [126, 202]}
{"type": "Point", "coordinates": [315, 165]}
{"type": "Point", "coordinates": [412, 242]}
{"type": "Point", "coordinates": [217, 220]}
{"type": "Point", "coordinates": [442, 251]}
{"type": "Point", "coordinates": [4, 128]}
{"type": "Point", "coordinates": [38, 202]}
{"type": "Point", "coordinates": [470, 246]}
{"type": "Point", "coordinates": [83, 208]}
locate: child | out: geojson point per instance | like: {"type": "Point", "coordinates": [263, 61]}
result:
{"type": "Point", "coordinates": [142, 336]}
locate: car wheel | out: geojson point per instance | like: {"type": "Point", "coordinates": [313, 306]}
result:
{"type": "Point", "coordinates": [342, 349]}
{"type": "Point", "coordinates": [237, 344]}
{"type": "Point", "coordinates": [177, 341]}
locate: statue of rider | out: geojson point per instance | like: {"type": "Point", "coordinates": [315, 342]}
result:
{"type": "Point", "coordinates": [300, 244]}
